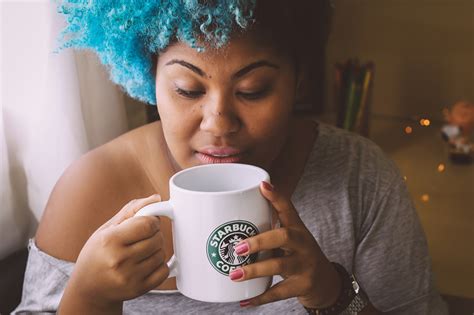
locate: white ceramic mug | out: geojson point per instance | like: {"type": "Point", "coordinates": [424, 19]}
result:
{"type": "Point", "coordinates": [212, 207]}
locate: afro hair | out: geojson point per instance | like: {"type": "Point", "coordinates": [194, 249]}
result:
{"type": "Point", "coordinates": [126, 34]}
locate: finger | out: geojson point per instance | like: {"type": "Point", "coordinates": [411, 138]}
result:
{"type": "Point", "coordinates": [284, 238]}
{"type": "Point", "coordinates": [157, 277]}
{"type": "Point", "coordinates": [285, 210]}
{"type": "Point", "coordinates": [151, 264]}
{"type": "Point", "coordinates": [284, 266]}
{"type": "Point", "coordinates": [137, 229]}
{"type": "Point", "coordinates": [131, 208]}
{"type": "Point", "coordinates": [281, 291]}
{"type": "Point", "coordinates": [141, 250]}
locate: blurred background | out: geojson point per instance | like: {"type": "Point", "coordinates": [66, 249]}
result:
{"type": "Point", "coordinates": [422, 55]}
{"type": "Point", "coordinates": [423, 52]}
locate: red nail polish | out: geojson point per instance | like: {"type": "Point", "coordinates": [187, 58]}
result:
{"type": "Point", "coordinates": [244, 303]}
{"type": "Point", "coordinates": [268, 186]}
{"type": "Point", "coordinates": [241, 248]}
{"type": "Point", "coordinates": [236, 274]}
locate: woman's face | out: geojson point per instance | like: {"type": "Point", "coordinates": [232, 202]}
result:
{"type": "Point", "coordinates": [231, 105]}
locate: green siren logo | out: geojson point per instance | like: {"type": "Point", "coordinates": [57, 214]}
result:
{"type": "Point", "coordinates": [221, 243]}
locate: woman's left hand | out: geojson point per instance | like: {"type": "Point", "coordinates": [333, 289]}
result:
{"type": "Point", "coordinates": [306, 271]}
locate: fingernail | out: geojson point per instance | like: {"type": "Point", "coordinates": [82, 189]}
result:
{"type": "Point", "coordinates": [267, 186]}
{"type": "Point", "coordinates": [244, 303]}
{"type": "Point", "coordinates": [236, 274]}
{"type": "Point", "coordinates": [242, 248]}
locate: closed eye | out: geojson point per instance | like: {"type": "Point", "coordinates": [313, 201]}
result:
{"type": "Point", "coordinates": [189, 94]}
{"type": "Point", "coordinates": [247, 95]}
{"type": "Point", "coordinates": [254, 95]}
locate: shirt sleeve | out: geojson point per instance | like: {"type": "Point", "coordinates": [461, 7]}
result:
{"type": "Point", "coordinates": [44, 283]}
{"type": "Point", "coordinates": [392, 261]}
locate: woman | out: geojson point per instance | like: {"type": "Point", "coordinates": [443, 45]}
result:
{"type": "Point", "coordinates": [225, 76]}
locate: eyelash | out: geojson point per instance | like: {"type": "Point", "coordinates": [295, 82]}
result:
{"type": "Point", "coordinates": [255, 95]}
{"type": "Point", "coordinates": [189, 94]}
{"type": "Point", "coordinates": [249, 96]}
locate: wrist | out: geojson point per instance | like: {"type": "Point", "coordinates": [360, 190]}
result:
{"type": "Point", "coordinates": [352, 299]}
{"type": "Point", "coordinates": [327, 295]}
{"type": "Point", "coordinates": [343, 299]}
{"type": "Point", "coordinates": [76, 300]}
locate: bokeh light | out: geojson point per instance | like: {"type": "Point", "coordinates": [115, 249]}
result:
{"type": "Point", "coordinates": [441, 167]}
{"type": "Point", "coordinates": [425, 122]}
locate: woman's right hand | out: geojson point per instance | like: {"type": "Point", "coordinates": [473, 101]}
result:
{"type": "Point", "coordinates": [122, 259]}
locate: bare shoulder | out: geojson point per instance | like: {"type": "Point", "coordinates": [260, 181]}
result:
{"type": "Point", "coordinates": [92, 190]}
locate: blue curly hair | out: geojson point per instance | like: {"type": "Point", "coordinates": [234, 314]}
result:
{"type": "Point", "coordinates": [127, 34]}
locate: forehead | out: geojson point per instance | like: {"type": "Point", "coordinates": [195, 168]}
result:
{"type": "Point", "coordinates": [240, 50]}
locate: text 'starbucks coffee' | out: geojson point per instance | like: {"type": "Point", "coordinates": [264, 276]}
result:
{"type": "Point", "coordinates": [221, 244]}
{"type": "Point", "coordinates": [213, 207]}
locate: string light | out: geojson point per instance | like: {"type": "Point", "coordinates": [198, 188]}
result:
{"type": "Point", "coordinates": [425, 122]}
{"type": "Point", "coordinates": [409, 129]}
{"type": "Point", "coordinates": [441, 167]}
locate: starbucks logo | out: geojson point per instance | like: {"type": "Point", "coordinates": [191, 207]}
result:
{"type": "Point", "coordinates": [221, 244]}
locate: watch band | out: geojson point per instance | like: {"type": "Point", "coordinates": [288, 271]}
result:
{"type": "Point", "coordinates": [345, 296]}
{"type": "Point", "coordinates": [360, 300]}
{"type": "Point", "coordinates": [356, 306]}
{"type": "Point", "coordinates": [351, 300]}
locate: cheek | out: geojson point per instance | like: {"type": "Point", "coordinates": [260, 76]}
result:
{"type": "Point", "coordinates": [268, 126]}
{"type": "Point", "coordinates": [178, 132]}
{"type": "Point", "coordinates": [268, 130]}
{"type": "Point", "coordinates": [178, 125]}
{"type": "Point", "coordinates": [272, 117]}
{"type": "Point", "coordinates": [175, 113]}
{"type": "Point", "coordinates": [178, 121]}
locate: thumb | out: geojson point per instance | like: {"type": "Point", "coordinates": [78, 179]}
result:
{"type": "Point", "coordinates": [130, 209]}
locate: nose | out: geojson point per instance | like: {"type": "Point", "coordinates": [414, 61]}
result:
{"type": "Point", "coordinates": [219, 119]}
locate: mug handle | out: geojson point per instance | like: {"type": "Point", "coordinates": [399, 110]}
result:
{"type": "Point", "coordinates": [163, 208]}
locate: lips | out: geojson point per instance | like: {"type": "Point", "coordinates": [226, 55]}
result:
{"type": "Point", "coordinates": [212, 155]}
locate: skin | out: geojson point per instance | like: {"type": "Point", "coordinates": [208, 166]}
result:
{"type": "Point", "coordinates": [218, 109]}
{"type": "Point", "coordinates": [241, 95]}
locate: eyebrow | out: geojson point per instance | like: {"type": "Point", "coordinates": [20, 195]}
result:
{"type": "Point", "coordinates": [191, 67]}
{"type": "Point", "coordinates": [238, 74]}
